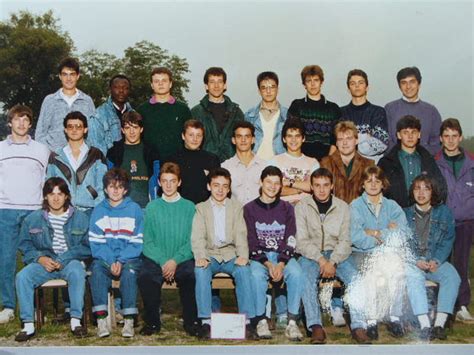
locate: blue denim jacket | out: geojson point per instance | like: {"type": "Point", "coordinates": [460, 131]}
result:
{"type": "Point", "coordinates": [253, 116]}
{"type": "Point", "coordinates": [441, 236]}
{"type": "Point", "coordinates": [36, 237]}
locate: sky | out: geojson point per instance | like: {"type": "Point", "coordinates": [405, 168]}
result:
{"type": "Point", "coordinates": [248, 37]}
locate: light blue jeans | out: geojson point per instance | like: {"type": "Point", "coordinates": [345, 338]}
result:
{"type": "Point", "coordinates": [292, 275]}
{"type": "Point", "coordinates": [243, 287]}
{"type": "Point", "coordinates": [34, 275]}
{"type": "Point", "coordinates": [448, 279]}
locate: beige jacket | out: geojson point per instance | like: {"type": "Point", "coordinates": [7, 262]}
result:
{"type": "Point", "coordinates": [203, 236]}
{"type": "Point", "coordinates": [314, 236]}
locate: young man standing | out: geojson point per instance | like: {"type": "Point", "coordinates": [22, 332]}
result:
{"type": "Point", "coordinates": [323, 240]}
{"type": "Point", "coordinates": [318, 115]}
{"type": "Point", "coordinates": [409, 82]}
{"type": "Point", "coordinates": [194, 162]}
{"type": "Point", "coordinates": [22, 169]}
{"type": "Point", "coordinates": [407, 160]}
{"type": "Point", "coordinates": [54, 243]}
{"type": "Point", "coordinates": [81, 166]}
{"type": "Point", "coordinates": [370, 120]}
{"type": "Point", "coordinates": [140, 160]}
{"type": "Point", "coordinates": [116, 240]}
{"type": "Point", "coordinates": [55, 106]}
{"type": "Point", "coordinates": [219, 244]}
{"type": "Point", "coordinates": [271, 236]}
{"type": "Point", "coordinates": [104, 124]}
{"type": "Point", "coordinates": [163, 115]}
{"type": "Point", "coordinates": [457, 167]}
{"type": "Point", "coordinates": [218, 114]}
{"type": "Point", "coordinates": [167, 254]}
{"type": "Point", "coordinates": [268, 117]}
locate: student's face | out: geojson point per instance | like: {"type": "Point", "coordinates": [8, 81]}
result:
{"type": "Point", "coordinates": [219, 188]}
{"type": "Point", "coordinates": [293, 140]}
{"type": "Point", "coordinates": [373, 186]}
{"type": "Point", "coordinates": [115, 192]}
{"type": "Point", "coordinates": [20, 125]}
{"type": "Point", "coordinates": [216, 86]}
{"type": "Point", "coordinates": [422, 193]}
{"type": "Point", "coordinates": [346, 142]}
{"type": "Point", "coordinates": [119, 91]}
{"type": "Point", "coordinates": [313, 85]}
{"type": "Point", "coordinates": [56, 200]}
{"type": "Point", "coordinates": [410, 87]}
{"type": "Point", "coordinates": [75, 130]}
{"type": "Point", "coordinates": [193, 138]}
{"type": "Point", "coordinates": [268, 90]}
{"type": "Point", "coordinates": [243, 139]}
{"type": "Point", "coordinates": [132, 133]}
{"type": "Point", "coordinates": [271, 186]}
{"type": "Point", "coordinates": [409, 137]}
{"type": "Point", "coordinates": [450, 139]}
{"type": "Point", "coordinates": [69, 78]}
{"type": "Point", "coordinates": [321, 187]}
{"type": "Point", "coordinates": [169, 184]}
{"type": "Point", "coordinates": [161, 84]}
{"type": "Point", "coordinates": [357, 86]}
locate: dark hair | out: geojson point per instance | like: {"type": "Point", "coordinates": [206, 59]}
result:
{"type": "Point", "coordinates": [450, 123]}
{"type": "Point", "coordinates": [408, 121]}
{"type": "Point", "coordinates": [161, 70]}
{"type": "Point", "coordinates": [69, 62]}
{"type": "Point", "coordinates": [117, 176]}
{"type": "Point", "coordinates": [271, 171]}
{"type": "Point", "coordinates": [321, 172]}
{"type": "Point", "coordinates": [244, 124]}
{"type": "Point", "coordinates": [379, 175]}
{"type": "Point", "coordinates": [131, 117]}
{"type": "Point", "coordinates": [409, 71]}
{"type": "Point", "coordinates": [170, 168]}
{"type": "Point", "coordinates": [312, 70]}
{"type": "Point", "coordinates": [194, 124]}
{"type": "Point", "coordinates": [49, 186]}
{"type": "Point", "coordinates": [20, 111]}
{"type": "Point", "coordinates": [219, 172]}
{"type": "Point", "coordinates": [358, 72]}
{"type": "Point", "coordinates": [267, 75]}
{"type": "Point", "coordinates": [75, 115]}
{"type": "Point", "coordinates": [119, 77]}
{"type": "Point", "coordinates": [435, 197]}
{"type": "Point", "coordinates": [292, 123]}
{"type": "Point", "coordinates": [214, 71]}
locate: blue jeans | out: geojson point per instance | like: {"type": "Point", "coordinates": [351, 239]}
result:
{"type": "Point", "coordinates": [345, 271]}
{"type": "Point", "coordinates": [243, 287]}
{"type": "Point", "coordinates": [10, 224]}
{"type": "Point", "coordinates": [101, 281]}
{"type": "Point", "coordinates": [34, 275]}
{"type": "Point", "coordinates": [448, 279]}
{"type": "Point", "coordinates": [292, 275]}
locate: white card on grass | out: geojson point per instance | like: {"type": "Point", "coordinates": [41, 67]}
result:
{"type": "Point", "coordinates": [227, 326]}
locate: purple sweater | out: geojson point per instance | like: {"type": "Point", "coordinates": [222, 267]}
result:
{"type": "Point", "coordinates": [271, 228]}
{"type": "Point", "coordinates": [427, 114]}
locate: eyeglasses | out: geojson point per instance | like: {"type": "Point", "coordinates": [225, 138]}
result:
{"type": "Point", "coordinates": [74, 126]}
{"type": "Point", "coordinates": [270, 87]}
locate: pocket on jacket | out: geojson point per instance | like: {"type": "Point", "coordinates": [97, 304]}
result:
{"type": "Point", "coordinates": [92, 191]}
{"type": "Point", "coordinates": [37, 236]}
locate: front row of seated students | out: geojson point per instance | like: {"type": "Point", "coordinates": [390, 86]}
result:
{"type": "Point", "coordinates": [254, 244]}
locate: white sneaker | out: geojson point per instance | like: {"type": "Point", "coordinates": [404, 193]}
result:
{"type": "Point", "coordinates": [102, 328]}
{"type": "Point", "coordinates": [263, 331]}
{"type": "Point", "coordinates": [337, 317]}
{"type": "Point", "coordinates": [128, 331]}
{"type": "Point", "coordinates": [292, 331]}
{"type": "Point", "coordinates": [463, 315]}
{"type": "Point", "coordinates": [7, 315]}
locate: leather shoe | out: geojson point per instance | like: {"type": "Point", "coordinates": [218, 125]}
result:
{"type": "Point", "coordinates": [373, 332]}
{"type": "Point", "coordinates": [360, 336]}
{"type": "Point", "coordinates": [318, 335]}
{"type": "Point", "coordinates": [24, 336]}
{"type": "Point", "coordinates": [395, 329]}
{"type": "Point", "coordinates": [439, 333]}
{"type": "Point", "coordinates": [79, 332]}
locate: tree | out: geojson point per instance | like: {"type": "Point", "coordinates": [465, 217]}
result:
{"type": "Point", "coordinates": [30, 49]}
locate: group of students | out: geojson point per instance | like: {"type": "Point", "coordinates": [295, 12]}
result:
{"type": "Point", "coordinates": [298, 201]}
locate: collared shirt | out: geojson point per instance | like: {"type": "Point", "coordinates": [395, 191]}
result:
{"type": "Point", "coordinates": [268, 113]}
{"type": "Point", "coordinates": [75, 164]}
{"type": "Point", "coordinates": [375, 207]}
{"type": "Point", "coordinates": [10, 141]}
{"type": "Point", "coordinates": [411, 164]}
{"type": "Point", "coordinates": [218, 211]}
{"type": "Point", "coordinates": [407, 100]}
{"type": "Point", "coordinates": [122, 111]}
{"type": "Point", "coordinates": [171, 100]}
{"type": "Point", "coordinates": [171, 200]}
{"type": "Point", "coordinates": [69, 99]}
{"type": "Point", "coordinates": [245, 179]}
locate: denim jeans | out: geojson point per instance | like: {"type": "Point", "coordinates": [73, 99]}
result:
{"type": "Point", "coordinates": [243, 287]}
{"type": "Point", "coordinates": [101, 281]}
{"type": "Point", "coordinates": [34, 275]}
{"type": "Point", "coordinates": [448, 279]}
{"type": "Point", "coordinates": [292, 275]}
{"type": "Point", "coordinates": [345, 271]}
{"type": "Point", "coordinates": [10, 224]}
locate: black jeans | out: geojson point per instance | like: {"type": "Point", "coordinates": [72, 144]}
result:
{"type": "Point", "coordinates": [150, 280]}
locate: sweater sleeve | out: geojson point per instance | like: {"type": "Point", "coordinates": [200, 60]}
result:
{"type": "Point", "coordinates": [288, 246]}
{"type": "Point", "coordinates": [135, 243]}
{"type": "Point", "coordinates": [433, 140]}
{"type": "Point", "coordinates": [185, 253]}
{"type": "Point", "coordinates": [376, 142]}
{"type": "Point", "coordinates": [99, 247]}
{"type": "Point", "coordinates": [255, 252]}
{"type": "Point", "coordinates": [150, 236]}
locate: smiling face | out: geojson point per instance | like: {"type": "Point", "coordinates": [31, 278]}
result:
{"type": "Point", "coordinates": [294, 140]}
{"type": "Point", "coordinates": [410, 87]}
{"type": "Point", "coordinates": [193, 138]}
{"type": "Point", "coordinates": [271, 186]}
{"type": "Point", "coordinates": [346, 143]}
{"type": "Point", "coordinates": [69, 78]}
{"type": "Point", "coordinates": [219, 188]}
{"type": "Point", "coordinates": [451, 140]}
{"type": "Point", "coordinates": [216, 87]}
{"type": "Point", "coordinates": [116, 193]}
{"type": "Point", "coordinates": [422, 194]}
{"type": "Point", "coordinates": [132, 133]}
{"type": "Point", "coordinates": [56, 200]}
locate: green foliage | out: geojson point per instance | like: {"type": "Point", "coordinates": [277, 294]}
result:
{"type": "Point", "coordinates": [31, 47]}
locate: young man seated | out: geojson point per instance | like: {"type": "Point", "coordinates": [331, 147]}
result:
{"type": "Point", "coordinates": [116, 240]}
{"type": "Point", "coordinates": [219, 244]}
{"type": "Point", "coordinates": [53, 241]}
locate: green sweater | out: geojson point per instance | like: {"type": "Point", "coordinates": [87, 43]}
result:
{"type": "Point", "coordinates": [167, 233]}
{"type": "Point", "coordinates": [163, 124]}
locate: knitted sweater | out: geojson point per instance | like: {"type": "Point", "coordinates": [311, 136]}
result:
{"type": "Point", "coordinates": [168, 231]}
